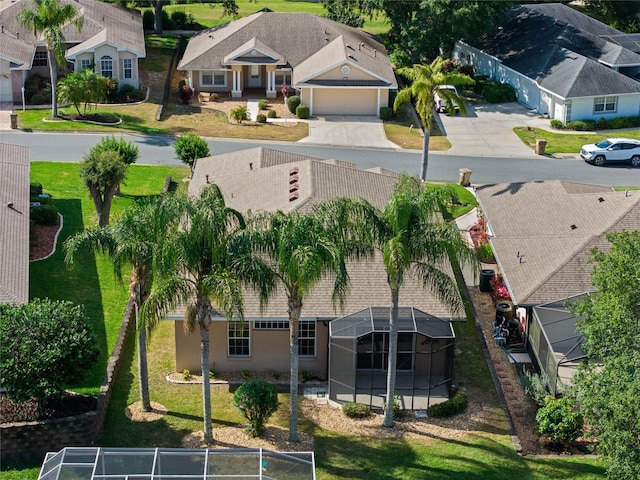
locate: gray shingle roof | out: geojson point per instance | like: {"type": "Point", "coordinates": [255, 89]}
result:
{"type": "Point", "coordinates": [542, 256]}
{"type": "Point", "coordinates": [16, 51]}
{"type": "Point", "coordinates": [297, 38]}
{"type": "Point", "coordinates": [266, 187]}
{"type": "Point", "coordinates": [14, 224]}
{"type": "Point", "coordinates": [560, 11]}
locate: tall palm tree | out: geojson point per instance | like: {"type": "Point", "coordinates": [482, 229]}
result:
{"type": "Point", "coordinates": [413, 240]}
{"type": "Point", "coordinates": [48, 18]}
{"type": "Point", "coordinates": [294, 252]}
{"type": "Point", "coordinates": [194, 268]}
{"type": "Point", "coordinates": [131, 240]}
{"type": "Point", "coordinates": [425, 83]}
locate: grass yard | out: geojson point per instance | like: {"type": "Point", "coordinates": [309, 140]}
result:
{"type": "Point", "coordinates": [558, 142]}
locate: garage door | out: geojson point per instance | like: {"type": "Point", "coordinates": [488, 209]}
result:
{"type": "Point", "coordinates": [345, 101]}
{"type": "Point", "coordinates": [6, 94]}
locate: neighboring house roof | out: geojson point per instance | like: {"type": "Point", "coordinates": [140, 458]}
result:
{"type": "Point", "coordinates": [307, 43]}
{"type": "Point", "coordinates": [543, 233]}
{"type": "Point", "coordinates": [16, 51]}
{"type": "Point", "coordinates": [14, 223]}
{"type": "Point", "coordinates": [569, 15]}
{"type": "Point", "coordinates": [104, 23]}
{"type": "Point", "coordinates": [265, 186]}
{"type": "Point", "coordinates": [559, 56]}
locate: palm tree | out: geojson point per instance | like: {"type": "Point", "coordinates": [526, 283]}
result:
{"type": "Point", "coordinates": [194, 268]}
{"type": "Point", "coordinates": [425, 83]}
{"type": "Point", "coordinates": [412, 239]}
{"type": "Point", "coordinates": [131, 240]}
{"type": "Point", "coordinates": [292, 251]}
{"type": "Point", "coordinates": [47, 18]}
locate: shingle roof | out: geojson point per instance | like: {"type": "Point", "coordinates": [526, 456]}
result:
{"type": "Point", "coordinates": [14, 224]}
{"type": "Point", "coordinates": [560, 57]}
{"type": "Point", "coordinates": [560, 11]}
{"type": "Point", "coordinates": [296, 37]}
{"type": "Point", "coordinates": [266, 187]}
{"type": "Point", "coordinates": [543, 257]}
{"type": "Point", "coordinates": [14, 50]}
{"type": "Point", "coordinates": [103, 23]}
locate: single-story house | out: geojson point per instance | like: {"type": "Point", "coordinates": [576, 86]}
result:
{"type": "Point", "coordinates": [111, 41]}
{"type": "Point", "coordinates": [562, 63]}
{"type": "Point", "coordinates": [542, 235]}
{"type": "Point", "coordinates": [265, 179]}
{"type": "Point", "coordinates": [14, 223]}
{"type": "Point", "coordinates": [336, 69]}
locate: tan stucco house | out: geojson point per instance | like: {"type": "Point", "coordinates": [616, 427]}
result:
{"type": "Point", "coordinates": [14, 223]}
{"type": "Point", "coordinates": [336, 69]}
{"type": "Point", "coordinates": [111, 40]}
{"type": "Point", "coordinates": [265, 179]}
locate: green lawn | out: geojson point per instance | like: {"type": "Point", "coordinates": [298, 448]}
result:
{"type": "Point", "coordinates": [558, 142]}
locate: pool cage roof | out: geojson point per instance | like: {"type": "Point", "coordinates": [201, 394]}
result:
{"type": "Point", "coordinates": [96, 463]}
{"type": "Point", "coordinates": [376, 319]}
{"type": "Point", "coordinates": [559, 327]}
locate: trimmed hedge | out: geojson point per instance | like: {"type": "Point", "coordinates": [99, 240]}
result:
{"type": "Point", "coordinates": [456, 404]}
{"type": "Point", "coordinates": [499, 93]}
{"type": "Point", "coordinates": [356, 410]}
{"type": "Point", "coordinates": [385, 113]}
{"type": "Point", "coordinates": [293, 102]}
{"type": "Point", "coordinates": [45, 215]}
{"type": "Point", "coordinates": [272, 114]}
{"type": "Point", "coordinates": [302, 112]}
{"type": "Point", "coordinates": [263, 104]}
{"type": "Point", "coordinates": [261, 118]}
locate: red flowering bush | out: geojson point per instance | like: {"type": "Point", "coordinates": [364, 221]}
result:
{"type": "Point", "coordinates": [186, 93]}
{"type": "Point", "coordinates": [500, 291]}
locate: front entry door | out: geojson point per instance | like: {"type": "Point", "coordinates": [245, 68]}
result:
{"type": "Point", "coordinates": [255, 80]}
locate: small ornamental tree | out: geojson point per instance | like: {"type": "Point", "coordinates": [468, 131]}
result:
{"type": "Point", "coordinates": [190, 147]}
{"type": "Point", "coordinates": [240, 114]}
{"type": "Point", "coordinates": [46, 346]}
{"type": "Point", "coordinates": [257, 401]}
{"type": "Point", "coordinates": [559, 420]}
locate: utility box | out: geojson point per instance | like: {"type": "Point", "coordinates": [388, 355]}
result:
{"type": "Point", "coordinates": [14, 120]}
{"type": "Point", "coordinates": [465, 177]}
{"type": "Point", "coordinates": [540, 146]}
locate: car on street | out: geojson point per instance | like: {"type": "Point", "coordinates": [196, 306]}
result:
{"type": "Point", "coordinates": [440, 103]}
{"type": "Point", "coordinates": [612, 150]}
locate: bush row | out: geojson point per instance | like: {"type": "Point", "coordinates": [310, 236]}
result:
{"type": "Point", "coordinates": [177, 21]}
{"type": "Point", "coordinates": [456, 404]}
{"type": "Point", "coordinates": [601, 124]}
{"type": "Point", "coordinates": [356, 410]}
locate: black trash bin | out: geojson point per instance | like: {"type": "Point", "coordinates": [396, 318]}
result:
{"type": "Point", "coordinates": [486, 275]}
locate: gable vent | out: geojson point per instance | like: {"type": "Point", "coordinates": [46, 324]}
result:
{"type": "Point", "coordinates": [293, 188]}
{"type": "Point", "coordinates": [293, 179]}
{"type": "Point", "coordinates": [293, 196]}
{"type": "Point", "coordinates": [293, 171]}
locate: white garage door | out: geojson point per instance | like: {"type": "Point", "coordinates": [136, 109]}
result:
{"type": "Point", "coordinates": [6, 94]}
{"type": "Point", "coordinates": [345, 101]}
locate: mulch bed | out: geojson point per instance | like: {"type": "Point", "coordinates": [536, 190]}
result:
{"type": "Point", "coordinates": [93, 117]}
{"type": "Point", "coordinates": [29, 411]}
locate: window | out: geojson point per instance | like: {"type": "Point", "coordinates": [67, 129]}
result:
{"type": "Point", "coordinates": [238, 339]}
{"type": "Point", "coordinates": [283, 77]}
{"type": "Point", "coordinates": [307, 339]}
{"type": "Point", "coordinates": [40, 59]}
{"type": "Point", "coordinates": [569, 106]}
{"type": "Point", "coordinates": [373, 351]}
{"type": "Point", "coordinates": [213, 78]}
{"type": "Point", "coordinates": [128, 68]}
{"type": "Point", "coordinates": [85, 63]}
{"type": "Point", "coordinates": [605, 104]}
{"type": "Point", "coordinates": [106, 66]}
{"type": "Point", "coordinates": [272, 325]}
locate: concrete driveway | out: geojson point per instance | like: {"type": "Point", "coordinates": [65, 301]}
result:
{"type": "Point", "coordinates": [348, 131]}
{"type": "Point", "coordinates": [487, 130]}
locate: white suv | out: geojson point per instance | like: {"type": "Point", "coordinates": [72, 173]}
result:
{"type": "Point", "coordinates": [441, 105]}
{"type": "Point", "coordinates": [612, 150]}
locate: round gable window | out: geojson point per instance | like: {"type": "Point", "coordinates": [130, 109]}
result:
{"type": "Point", "coordinates": [346, 70]}
{"type": "Point", "coordinates": [254, 52]}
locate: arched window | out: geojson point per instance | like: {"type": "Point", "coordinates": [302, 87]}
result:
{"type": "Point", "coordinates": [106, 66]}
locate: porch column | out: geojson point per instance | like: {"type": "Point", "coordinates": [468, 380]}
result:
{"type": "Point", "coordinates": [237, 84]}
{"type": "Point", "coordinates": [271, 84]}
{"type": "Point", "coordinates": [378, 105]}
{"type": "Point", "coordinates": [311, 102]}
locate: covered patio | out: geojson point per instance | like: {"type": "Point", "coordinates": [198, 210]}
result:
{"type": "Point", "coordinates": [359, 353]}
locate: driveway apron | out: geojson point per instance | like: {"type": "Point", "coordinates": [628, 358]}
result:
{"type": "Point", "coordinates": [348, 131]}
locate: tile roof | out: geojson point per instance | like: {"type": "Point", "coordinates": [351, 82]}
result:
{"type": "Point", "coordinates": [543, 233]}
{"type": "Point", "coordinates": [103, 23]}
{"type": "Point", "coordinates": [296, 37]}
{"type": "Point", "coordinates": [266, 187]}
{"type": "Point", "coordinates": [14, 223]}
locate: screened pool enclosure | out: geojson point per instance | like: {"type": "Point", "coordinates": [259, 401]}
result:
{"type": "Point", "coordinates": [359, 352]}
{"type": "Point", "coordinates": [94, 463]}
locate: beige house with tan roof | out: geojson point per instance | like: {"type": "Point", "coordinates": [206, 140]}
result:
{"type": "Point", "coordinates": [14, 223]}
{"type": "Point", "coordinates": [111, 40]}
{"type": "Point", "coordinates": [266, 179]}
{"type": "Point", "coordinates": [335, 68]}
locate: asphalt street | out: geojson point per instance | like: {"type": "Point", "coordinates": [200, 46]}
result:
{"type": "Point", "coordinates": [158, 150]}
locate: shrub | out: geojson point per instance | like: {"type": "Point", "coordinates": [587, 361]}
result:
{"type": "Point", "coordinates": [178, 18]}
{"type": "Point", "coordinates": [485, 253]}
{"type": "Point", "coordinates": [272, 114]}
{"type": "Point", "coordinates": [46, 347]}
{"type": "Point", "coordinates": [186, 375]}
{"type": "Point", "coordinates": [499, 92]}
{"type": "Point", "coordinates": [603, 124]}
{"type": "Point", "coordinates": [261, 118]}
{"type": "Point", "coordinates": [263, 104]}
{"type": "Point", "coordinates": [181, 84]}
{"type": "Point", "coordinates": [456, 404]}
{"type": "Point", "coordinates": [37, 99]}
{"type": "Point", "coordinates": [621, 122]}
{"type": "Point", "coordinates": [578, 125]}
{"type": "Point", "coordinates": [559, 420]}
{"type": "Point", "coordinates": [45, 215]}
{"type": "Point", "coordinates": [400, 58]}
{"type": "Point", "coordinates": [186, 93]}
{"type": "Point", "coordinates": [481, 82]}
{"type": "Point", "coordinates": [302, 111]}
{"type": "Point", "coordinates": [397, 408]}
{"type": "Point", "coordinates": [356, 410]}
{"type": "Point", "coordinates": [167, 23]}
{"type": "Point", "coordinates": [536, 386]}
{"type": "Point", "coordinates": [246, 374]}
{"type": "Point", "coordinates": [257, 401]}
{"type": "Point", "coordinates": [190, 147]}
{"type": "Point", "coordinates": [385, 113]}
{"type": "Point", "coordinates": [213, 374]}
{"type": "Point", "coordinates": [240, 114]}
{"type": "Point", "coordinates": [292, 103]}
{"type": "Point", "coordinates": [213, 97]}
{"type": "Point", "coordinates": [35, 189]}
{"type": "Point", "coordinates": [147, 20]}
{"type": "Point", "coordinates": [555, 123]}
{"type": "Point", "coordinates": [467, 70]}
